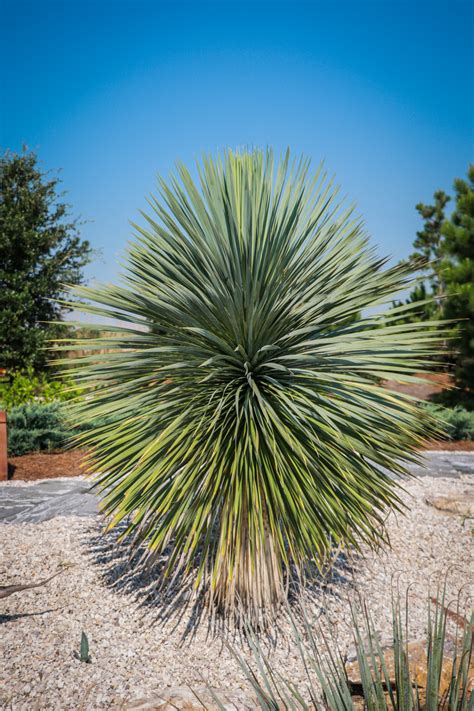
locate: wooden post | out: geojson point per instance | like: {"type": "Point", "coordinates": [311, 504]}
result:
{"type": "Point", "coordinates": [3, 447]}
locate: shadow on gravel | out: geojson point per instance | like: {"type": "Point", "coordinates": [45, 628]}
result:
{"type": "Point", "coordinates": [175, 600]}
{"type": "Point", "coordinates": [4, 619]}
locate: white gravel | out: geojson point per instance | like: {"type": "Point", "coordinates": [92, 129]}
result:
{"type": "Point", "coordinates": [135, 655]}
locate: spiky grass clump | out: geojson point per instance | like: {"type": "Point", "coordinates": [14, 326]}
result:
{"type": "Point", "coordinates": [251, 422]}
{"type": "Point", "coordinates": [438, 678]}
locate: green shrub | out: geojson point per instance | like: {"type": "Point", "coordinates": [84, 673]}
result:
{"type": "Point", "coordinates": [457, 422]}
{"type": "Point", "coordinates": [23, 387]}
{"type": "Point", "coordinates": [42, 427]}
{"type": "Point", "coordinates": [36, 427]}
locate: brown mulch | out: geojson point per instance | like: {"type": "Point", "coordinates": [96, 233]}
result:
{"type": "Point", "coordinates": [460, 445]}
{"type": "Point", "coordinates": [40, 465]}
{"type": "Point", "coordinates": [434, 384]}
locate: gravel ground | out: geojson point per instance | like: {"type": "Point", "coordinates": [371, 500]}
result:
{"type": "Point", "coordinates": [135, 654]}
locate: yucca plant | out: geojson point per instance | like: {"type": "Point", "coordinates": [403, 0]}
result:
{"type": "Point", "coordinates": [245, 378]}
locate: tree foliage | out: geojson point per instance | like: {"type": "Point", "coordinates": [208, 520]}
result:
{"type": "Point", "coordinates": [458, 270]}
{"type": "Point", "coordinates": [444, 251]}
{"type": "Point", "coordinates": [428, 250]}
{"type": "Point", "coordinates": [252, 422]}
{"type": "Point", "coordinates": [427, 294]}
{"type": "Point", "coordinates": [40, 251]}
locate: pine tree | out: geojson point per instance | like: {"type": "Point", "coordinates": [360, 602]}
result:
{"type": "Point", "coordinates": [427, 259]}
{"type": "Point", "coordinates": [428, 250]}
{"type": "Point", "coordinates": [458, 270]}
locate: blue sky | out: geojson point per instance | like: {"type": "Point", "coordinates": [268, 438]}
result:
{"type": "Point", "coordinates": [113, 92]}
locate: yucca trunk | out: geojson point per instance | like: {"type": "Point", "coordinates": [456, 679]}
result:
{"type": "Point", "coordinates": [251, 580]}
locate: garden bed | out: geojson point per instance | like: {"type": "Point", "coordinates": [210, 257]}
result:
{"type": "Point", "coordinates": [41, 465]}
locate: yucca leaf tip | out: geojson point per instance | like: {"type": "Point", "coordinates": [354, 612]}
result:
{"type": "Point", "coordinates": [249, 420]}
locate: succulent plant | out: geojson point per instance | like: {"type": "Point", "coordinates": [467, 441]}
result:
{"type": "Point", "coordinates": [252, 431]}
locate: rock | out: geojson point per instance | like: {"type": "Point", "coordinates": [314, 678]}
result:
{"type": "Point", "coordinates": [461, 504]}
{"type": "Point", "coordinates": [185, 699]}
{"type": "Point", "coordinates": [417, 661]}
